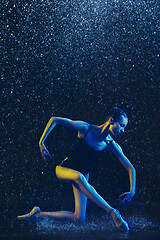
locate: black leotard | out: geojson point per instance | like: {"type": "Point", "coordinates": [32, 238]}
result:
{"type": "Point", "coordinates": [82, 157]}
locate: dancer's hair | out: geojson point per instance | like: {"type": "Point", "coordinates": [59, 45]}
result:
{"type": "Point", "coordinates": [116, 113]}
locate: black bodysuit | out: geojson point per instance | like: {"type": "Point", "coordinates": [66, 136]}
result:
{"type": "Point", "coordinates": [82, 157]}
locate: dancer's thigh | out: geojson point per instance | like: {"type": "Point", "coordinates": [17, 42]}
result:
{"type": "Point", "coordinates": [67, 173]}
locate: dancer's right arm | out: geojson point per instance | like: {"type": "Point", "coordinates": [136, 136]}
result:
{"type": "Point", "coordinates": [77, 125]}
{"type": "Point", "coordinates": [50, 125]}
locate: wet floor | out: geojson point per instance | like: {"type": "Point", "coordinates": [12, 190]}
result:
{"type": "Point", "coordinates": [101, 227]}
{"type": "Point", "coordinates": [78, 59]}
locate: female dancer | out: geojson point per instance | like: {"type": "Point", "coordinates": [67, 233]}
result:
{"type": "Point", "coordinates": [76, 166]}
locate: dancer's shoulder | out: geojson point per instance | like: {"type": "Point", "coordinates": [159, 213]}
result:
{"type": "Point", "coordinates": [115, 148]}
{"type": "Point", "coordinates": [81, 126]}
{"type": "Point", "coordinates": [78, 125]}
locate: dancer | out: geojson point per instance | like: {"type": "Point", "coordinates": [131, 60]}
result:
{"type": "Point", "coordinates": [80, 161]}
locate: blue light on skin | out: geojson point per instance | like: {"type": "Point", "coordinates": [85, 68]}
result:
{"type": "Point", "coordinates": [117, 127]}
{"type": "Point", "coordinates": [95, 137]}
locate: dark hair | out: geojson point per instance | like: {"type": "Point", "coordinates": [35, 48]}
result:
{"type": "Point", "coordinates": [116, 113]}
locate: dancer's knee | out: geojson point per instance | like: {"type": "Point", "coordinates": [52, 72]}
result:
{"type": "Point", "coordinates": [68, 174]}
{"type": "Point", "coordinates": [57, 170]}
{"type": "Point", "coordinates": [80, 178]}
{"type": "Point", "coordinates": [79, 217]}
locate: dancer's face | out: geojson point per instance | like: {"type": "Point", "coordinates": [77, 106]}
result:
{"type": "Point", "coordinates": [116, 128]}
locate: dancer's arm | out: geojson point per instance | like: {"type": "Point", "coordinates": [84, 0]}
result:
{"type": "Point", "coordinates": [117, 151]}
{"type": "Point", "coordinates": [77, 125]}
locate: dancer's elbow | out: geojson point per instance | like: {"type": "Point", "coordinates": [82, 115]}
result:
{"type": "Point", "coordinates": [66, 122]}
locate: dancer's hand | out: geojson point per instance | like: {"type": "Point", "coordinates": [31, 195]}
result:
{"type": "Point", "coordinates": [126, 197]}
{"type": "Point", "coordinates": [45, 153]}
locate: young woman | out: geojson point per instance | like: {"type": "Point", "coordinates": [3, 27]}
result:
{"type": "Point", "coordinates": [76, 166]}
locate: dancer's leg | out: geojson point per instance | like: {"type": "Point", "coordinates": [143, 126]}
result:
{"type": "Point", "coordinates": [90, 192]}
{"type": "Point", "coordinates": [80, 201]}
{"type": "Point", "coordinates": [78, 214]}
{"type": "Point", "coordinates": [80, 206]}
{"type": "Point", "coordinates": [86, 188]}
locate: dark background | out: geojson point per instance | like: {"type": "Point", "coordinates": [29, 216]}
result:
{"type": "Point", "coordinates": [77, 59]}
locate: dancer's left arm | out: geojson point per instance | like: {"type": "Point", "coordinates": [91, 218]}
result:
{"type": "Point", "coordinates": [117, 151]}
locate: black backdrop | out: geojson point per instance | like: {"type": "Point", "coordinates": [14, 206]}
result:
{"type": "Point", "coordinates": [77, 59]}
